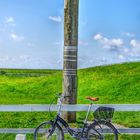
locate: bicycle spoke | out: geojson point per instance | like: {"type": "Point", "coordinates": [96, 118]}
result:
{"type": "Point", "coordinates": [45, 131]}
{"type": "Point", "coordinates": [103, 132]}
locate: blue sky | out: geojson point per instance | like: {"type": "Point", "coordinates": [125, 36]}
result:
{"type": "Point", "coordinates": [31, 33]}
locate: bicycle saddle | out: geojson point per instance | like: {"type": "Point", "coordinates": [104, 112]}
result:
{"type": "Point", "coordinates": [92, 98]}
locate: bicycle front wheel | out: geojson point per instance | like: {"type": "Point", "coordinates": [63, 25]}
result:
{"type": "Point", "coordinates": [102, 130]}
{"type": "Point", "coordinates": [47, 131]}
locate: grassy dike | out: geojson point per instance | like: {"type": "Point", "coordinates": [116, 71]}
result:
{"type": "Point", "coordinates": [112, 84]}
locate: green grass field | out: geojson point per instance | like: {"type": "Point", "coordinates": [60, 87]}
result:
{"type": "Point", "coordinates": [112, 84]}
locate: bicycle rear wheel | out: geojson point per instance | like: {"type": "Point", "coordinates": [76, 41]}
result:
{"type": "Point", "coordinates": [102, 130]}
{"type": "Point", "coordinates": [46, 131]}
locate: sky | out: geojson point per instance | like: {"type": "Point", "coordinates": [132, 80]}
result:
{"type": "Point", "coordinates": [31, 33]}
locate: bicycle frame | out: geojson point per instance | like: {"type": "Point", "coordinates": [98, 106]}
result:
{"type": "Point", "coordinates": [58, 121]}
{"type": "Point", "coordinates": [74, 133]}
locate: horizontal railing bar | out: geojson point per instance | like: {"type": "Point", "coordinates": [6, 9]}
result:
{"type": "Point", "coordinates": [17, 130]}
{"type": "Point", "coordinates": [31, 130]}
{"type": "Point", "coordinates": [38, 108]}
{"type": "Point", "coordinates": [79, 107]}
{"type": "Point", "coordinates": [129, 130]}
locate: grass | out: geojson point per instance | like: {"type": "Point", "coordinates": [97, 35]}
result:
{"type": "Point", "coordinates": [112, 84]}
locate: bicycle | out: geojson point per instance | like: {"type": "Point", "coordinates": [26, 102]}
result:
{"type": "Point", "coordinates": [94, 131]}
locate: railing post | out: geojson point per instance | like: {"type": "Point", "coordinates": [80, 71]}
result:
{"type": "Point", "coordinates": [20, 137]}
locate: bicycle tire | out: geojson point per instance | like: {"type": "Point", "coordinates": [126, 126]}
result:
{"type": "Point", "coordinates": [95, 131]}
{"type": "Point", "coordinates": [46, 131]}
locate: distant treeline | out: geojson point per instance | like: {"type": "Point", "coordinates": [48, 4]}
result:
{"type": "Point", "coordinates": [27, 72]}
{"type": "Point", "coordinates": [22, 74]}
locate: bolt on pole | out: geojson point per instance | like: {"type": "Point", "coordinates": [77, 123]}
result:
{"type": "Point", "coordinates": [71, 10]}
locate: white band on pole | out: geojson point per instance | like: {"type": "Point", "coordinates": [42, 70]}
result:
{"type": "Point", "coordinates": [70, 56]}
{"type": "Point", "coordinates": [70, 71]}
{"type": "Point", "coordinates": [70, 48]}
{"type": "Point", "coordinates": [70, 60]}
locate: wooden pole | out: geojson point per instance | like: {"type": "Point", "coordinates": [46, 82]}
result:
{"type": "Point", "coordinates": [71, 8]}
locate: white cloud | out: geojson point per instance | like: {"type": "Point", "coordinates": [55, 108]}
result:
{"type": "Point", "coordinates": [120, 56]}
{"type": "Point", "coordinates": [16, 37]}
{"type": "Point", "coordinates": [134, 51]}
{"type": "Point", "coordinates": [98, 37]}
{"type": "Point", "coordinates": [111, 44]}
{"type": "Point", "coordinates": [126, 50]}
{"type": "Point", "coordinates": [5, 58]}
{"type": "Point", "coordinates": [102, 59]}
{"type": "Point", "coordinates": [128, 34]}
{"type": "Point", "coordinates": [10, 21]}
{"type": "Point", "coordinates": [24, 57]}
{"type": "Point", "coordinates": [135, 43]}
{"type": "Point", "coordinates": [131, 52]}
{"type": "Point", "coordinates": [55, 18]}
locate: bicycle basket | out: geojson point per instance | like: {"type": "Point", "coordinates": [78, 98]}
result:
{"type": "Point", "coordinates": [104, 113]}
